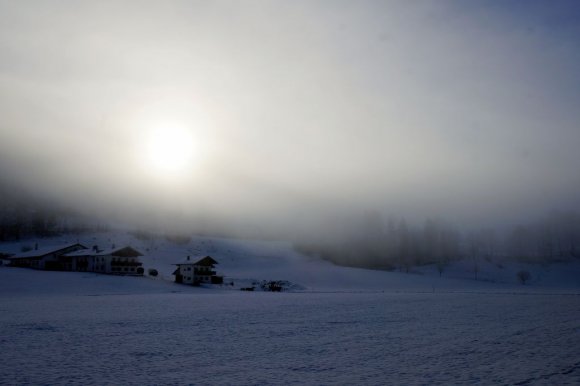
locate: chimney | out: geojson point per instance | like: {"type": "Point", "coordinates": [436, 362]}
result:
{"type": "Point", "coordinates": [187, 258]}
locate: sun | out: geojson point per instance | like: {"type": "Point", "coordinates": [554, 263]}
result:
{"type": "Point", "coordinates": [169, 149]}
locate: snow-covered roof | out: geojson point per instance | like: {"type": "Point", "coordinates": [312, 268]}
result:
{"type": "Point", "coordinates": [82, 252]}
{"type": "Point", "coordinates": [105, 252]}
{"type": "Point", "coordinates": [206, 261]}
{"type": "Point", "coordinates": [45, 251]}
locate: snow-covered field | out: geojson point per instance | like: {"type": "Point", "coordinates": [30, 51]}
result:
{"type": "Point", "coordinates": [346, 326]}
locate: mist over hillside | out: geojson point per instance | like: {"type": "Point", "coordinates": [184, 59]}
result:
{"type": "Point", "coordinates": [292, 118]}
{"type": "Point", "coordinates": [368, 240]}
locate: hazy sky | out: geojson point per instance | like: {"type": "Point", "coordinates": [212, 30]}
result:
{"type": "Point", "coordinates": [285, 111]}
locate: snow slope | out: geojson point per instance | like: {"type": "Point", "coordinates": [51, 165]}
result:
{"type": "Point", "coordinates": [245, 261]}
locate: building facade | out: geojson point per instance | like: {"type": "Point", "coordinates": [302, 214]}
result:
{"type": "Point", "coordinates": [115, 261]}
{"type": "Point", "coordinates": [198, 272]}
{"type": "Point", "coordinates": [50, 258]}
{"type": "Point", "coordinates": [78, 258]}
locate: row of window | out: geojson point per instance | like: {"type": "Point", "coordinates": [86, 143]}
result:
{"type": "Point", "coordinates": [125, 269]}
{"type": "Point", "coordinates": [199, 269]}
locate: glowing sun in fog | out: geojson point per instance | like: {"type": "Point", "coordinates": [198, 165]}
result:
{"type": "Point", "coordinates": [169, 149]}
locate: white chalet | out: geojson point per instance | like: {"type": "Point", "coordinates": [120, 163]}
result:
{"type": "Point", "coordinates": [196, 273]}
{"type": "Point", "coordinates": [116, 261]}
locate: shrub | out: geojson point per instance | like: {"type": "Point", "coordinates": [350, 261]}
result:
{"type": "Point", "coordinates": [152, 272]}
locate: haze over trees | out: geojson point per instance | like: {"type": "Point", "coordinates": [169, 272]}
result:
{"type": "Point", "coordinates": [370, 240]}
{"type": "Point", "coordinates": [23, 218]}
{"type": "Point", "coordinates": [393, 244]}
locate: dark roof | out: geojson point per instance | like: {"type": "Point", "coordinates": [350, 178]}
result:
{"type": "Point", "coordinates": [126, 252]}
{"type": "Point", "coordinates": [207, 261]}
{"type": "Point", "coordinates": [122, 252]}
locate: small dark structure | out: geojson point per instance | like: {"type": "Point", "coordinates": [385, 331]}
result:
{"type": "Point", "coordinates": [272, 286]}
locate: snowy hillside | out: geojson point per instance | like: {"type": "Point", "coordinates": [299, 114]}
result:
{"type": "Point", "coordinates": [245, 261]}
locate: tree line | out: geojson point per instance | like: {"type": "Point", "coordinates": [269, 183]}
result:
{"type": "Point", "coordinates": [22, 221]}
{"type": "Point", "coordinates": [392, 244]}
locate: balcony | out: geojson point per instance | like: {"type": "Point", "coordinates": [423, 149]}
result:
{"type": "Point", "coordinates": [126, 264]}
{"type": "Point", "coordinates": [203, 273]}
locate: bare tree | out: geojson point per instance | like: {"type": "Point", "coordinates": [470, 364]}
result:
{"type": "Point", "coordinates": [441, 265]}
{"type": "Point", "coordinates": [523, 276]}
